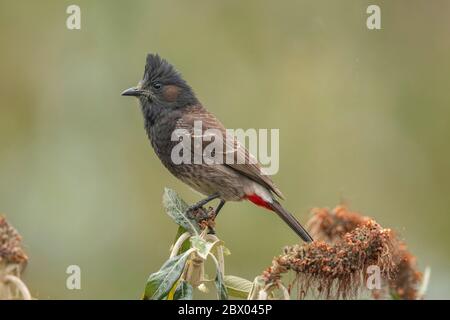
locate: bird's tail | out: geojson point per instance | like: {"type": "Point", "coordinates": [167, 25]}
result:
{"type": "Point", "coordinates": [290, 221]}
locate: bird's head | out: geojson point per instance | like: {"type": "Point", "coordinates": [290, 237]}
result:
{"type": "Point", "coordinates": [162, 84]}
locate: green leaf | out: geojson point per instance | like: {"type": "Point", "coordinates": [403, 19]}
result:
{"type": "Point", "coordinates": [222, 292]}
{"type": "Point", "coordinates": [202, 246]}
{"type": "Point", "coordinates": [199, 244]}
{"type": "Point", "coordinates": [183, 291]}
{"type": "Point", "coordinates": [237, 287]}
{"type": "Point", "coordinates": [186, 244]}
{"type": "Point", "coordinates": [176, 208]}
{"type": "Point", "coordinates": [160, 283]}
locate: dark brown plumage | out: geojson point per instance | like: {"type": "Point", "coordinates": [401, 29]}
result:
{"type": "Point", "coordinates": [168, 103]}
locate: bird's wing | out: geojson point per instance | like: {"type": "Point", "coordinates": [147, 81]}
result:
{"type": "Point", "coordinates": [243, 161]}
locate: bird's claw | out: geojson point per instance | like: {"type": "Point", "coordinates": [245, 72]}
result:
{"type": "Point", "coordinates": [197, 213]}
{"type": "Point", "coordinates": [204, 217]}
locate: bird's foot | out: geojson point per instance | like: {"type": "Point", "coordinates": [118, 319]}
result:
{"type": "Point", "coordinates": [197, 213]}
{"type": "Point", "coordinates": [203, 217]}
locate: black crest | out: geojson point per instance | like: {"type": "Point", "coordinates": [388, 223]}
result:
{"type": "Point", "coordinates": [158, 69]}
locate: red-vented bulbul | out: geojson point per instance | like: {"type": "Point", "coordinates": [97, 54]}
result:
{"type": "Point", "coordinates": [169, 103]}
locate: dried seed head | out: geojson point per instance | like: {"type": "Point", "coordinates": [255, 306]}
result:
{"type": "Point", "coordinates": [407, 280]}
{"type": "Point", "coordinates": [337, 269]}
{"type": "Point", "coordinates": [11, 251]}
{"type": "Point", "coordinates": [331, 225]}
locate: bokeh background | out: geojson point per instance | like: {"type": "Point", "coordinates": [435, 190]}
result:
{"type": "Point", "coordinates": [363, 118]}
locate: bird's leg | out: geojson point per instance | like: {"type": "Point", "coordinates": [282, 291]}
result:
{"type": "Point", "coordinates": [219, 207]}
{"type": "Point", "coordinates": [216, 212]}
{"type": "Point", "coordinates": [201, 203]}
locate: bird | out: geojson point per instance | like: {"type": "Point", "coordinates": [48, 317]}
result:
{"type": "Point", "coordinates": [168, 104]}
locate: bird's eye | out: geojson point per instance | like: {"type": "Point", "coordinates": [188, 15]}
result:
{"type": "Point", "coordinates": [156, 85]}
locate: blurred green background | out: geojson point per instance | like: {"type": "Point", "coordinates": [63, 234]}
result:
{"type": "Point", "coordinates": [363, 117]}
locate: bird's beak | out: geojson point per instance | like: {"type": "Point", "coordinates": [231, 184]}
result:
{"type": "Point", "coordinates": [135, 92]}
